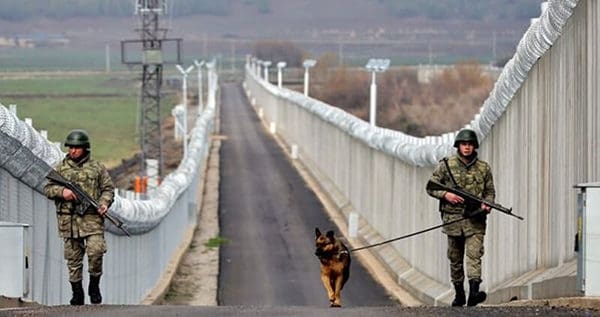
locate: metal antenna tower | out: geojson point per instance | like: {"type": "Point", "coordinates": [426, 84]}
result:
{"type": "Point", "coordinates": [151, 52]}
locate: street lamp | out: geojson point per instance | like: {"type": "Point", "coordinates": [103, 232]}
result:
{"type": "Point", "coordinates": [280, 66]}
{"type": "Point", "coordinates": [200, 96]}
{"type": "Point", "coordinates": [266, 64]}
{"type": "Point", "coordinates": [307, 64]}
{"type": "Point", "coordinates": [253, 64]}
{"type": "Point", "coordinates": [184, 74]}
{"type": "Point", "coordinates": [212, 82]}
{"type": "Point", "coordinates": [375, 66]}
{"type": "Point", "coordinates": [258, 65]}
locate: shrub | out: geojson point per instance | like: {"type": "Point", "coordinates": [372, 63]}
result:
{"type": "Point", "coordinates": [446, 104]}
{"type": "Point", "coordinates": [277, 51]}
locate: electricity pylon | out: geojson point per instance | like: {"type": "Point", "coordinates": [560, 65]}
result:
{"type": "Point", "coordinates": [151, 57]}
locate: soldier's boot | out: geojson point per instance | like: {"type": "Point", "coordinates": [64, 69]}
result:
{"type": "Point", "coordinates": [475, 296]}
{"type": "Point", "coordinates": [78, 295]}
{"type": "Point", "coordinates": [94, 290]}
{"type": "Point", "coordinates": [459, 297]}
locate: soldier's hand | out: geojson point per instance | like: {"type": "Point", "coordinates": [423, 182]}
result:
{"type": "Point", "coordinates": [486, 208]}
{"type": "Point", "coordinates": [68, 194]}
{"type": "Point", "coordinates": [102, 210]}
{"type": "Point", "coordinates": [453, 198]}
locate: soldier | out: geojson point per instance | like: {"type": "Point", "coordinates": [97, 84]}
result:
{"type": "Point", "coordinates": [83, 230]}
{"type": "Point", "coordinates": [471, 174]}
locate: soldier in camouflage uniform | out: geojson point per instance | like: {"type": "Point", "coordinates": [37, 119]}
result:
{"type": "Point", "coordinates": [465, 237]}
{"type": "Point", "coordinates": [85, 232]}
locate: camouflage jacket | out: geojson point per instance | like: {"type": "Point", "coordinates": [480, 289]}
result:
{"type": "Point", "coordinates": [93, 178]}
{"type": "Point", "coordinates": [476, 178]}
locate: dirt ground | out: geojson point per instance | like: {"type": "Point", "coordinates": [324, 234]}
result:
{"type": "Point", "coordinates": [196, 279]}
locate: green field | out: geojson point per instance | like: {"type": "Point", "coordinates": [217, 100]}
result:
{"type": "Point", "coordinates": [104, 105]}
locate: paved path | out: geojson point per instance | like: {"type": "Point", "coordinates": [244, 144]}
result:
{"type": "Point", "coordinates": [269, 216]}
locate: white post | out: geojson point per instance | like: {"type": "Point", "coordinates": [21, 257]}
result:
{"type": "Point", "coordinates": [306, 81]}
{"type": "Point", "coordinates": [280, 67]}
{"type": "Point", "coordinates": [13, 109]}
{"type": "Point", "coordinates": [184, 115]}
{"type": "Point", "coordinates": [258, 64]}
{"type": "Point", "coordinates": [307, 64]}
{"type": "Point", "coordinates": [200, 94]}
{"type": "Point", "coordinates": [279, 77]}
{"type": "Point", "coordinates": [266, 65]}
{"type": "Point", "coordinates": [373, 104]}
{"type": "Point", "coordinates": [266, 73]}
{"type": "Point", "coordinates": [184, 74]}
{"type": "Point", "coordinates": [177, 116]}
{"type": "Point", "coordinates": [375, 65]}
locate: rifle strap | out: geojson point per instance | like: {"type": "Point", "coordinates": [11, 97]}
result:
{"type": "Point", "coordinates": [445, 159]}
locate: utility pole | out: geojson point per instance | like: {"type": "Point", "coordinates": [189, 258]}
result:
{"type": "Point", "coordinates": [494, 47]}
{"type": "Point", "coordinates": [153, 40]}
{"type": "Point", "coordinates": [232, 56]}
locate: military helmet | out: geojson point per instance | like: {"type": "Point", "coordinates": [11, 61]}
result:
{"type": "Point", "coordinates": [78, 138]}
{"type": "Point", "coordinates": [466, 135]}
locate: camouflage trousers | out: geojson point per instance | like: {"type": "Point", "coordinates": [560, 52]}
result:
{"type": "Point", "coordinates": [458, 247]}
{"type": "Point", "coordinates": [75, 249]}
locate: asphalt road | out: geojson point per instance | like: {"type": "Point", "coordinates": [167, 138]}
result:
{"type": "Point", "coordinates": [269, 215]}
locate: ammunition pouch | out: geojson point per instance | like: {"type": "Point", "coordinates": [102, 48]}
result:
{"type": "Point", "coordinates": [471, 208]}
{"type": "Point", "coordinates": [475, 213]}
{"type": "Point", "coordinates": [82, 208]}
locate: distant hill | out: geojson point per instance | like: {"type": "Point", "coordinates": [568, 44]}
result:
{"type": "Point", "coordinates": [477, 10]}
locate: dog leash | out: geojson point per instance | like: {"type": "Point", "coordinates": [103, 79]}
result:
{"type": "Point", "coordinates": [418, 232]}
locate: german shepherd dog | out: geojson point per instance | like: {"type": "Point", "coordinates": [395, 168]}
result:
{"type": "Point", "coordinates": [335, 264]}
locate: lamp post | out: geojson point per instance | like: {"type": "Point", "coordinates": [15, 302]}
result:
{"type": "Point", "coordinates": [375, 66]}
{"type": "Point", "coordinates": [184, 74]}
{"type": "Point", "coordinates": [253, 64]}
{"type": "Point", "coordinates": [307, 64]}
{"type": "Point", "coordinates": [280, 67]}
{"type": "Point", "coordinates": [212, 82]}
{"type": "Point", "coordinates": [200, 95]}
{"type": "Point", "coordinates": [266, 64]}
{"type": "Point", "coordinates": [258, 65]}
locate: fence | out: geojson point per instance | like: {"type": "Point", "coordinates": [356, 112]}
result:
{"type": "Point", "coordinates": [133, 265]}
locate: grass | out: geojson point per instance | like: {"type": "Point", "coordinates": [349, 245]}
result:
{"type": "Point", "coordinates": [81, 84]}
{"type": "Point", "coordinates": [60, 104]}
{"type": "Point", "coordinates": [57, 58]}
{"type": "Point", "coordinates": [215, 242]}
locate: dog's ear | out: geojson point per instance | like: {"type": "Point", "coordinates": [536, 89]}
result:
{"type": "Point", "coordinates": [330, 234]}
{"type": "Point", "coordinates": [317, 232]}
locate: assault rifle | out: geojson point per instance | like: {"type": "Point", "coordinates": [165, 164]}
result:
{"type": "Point", "coordinates": [432, 185]}
{"type": "Point", "coordinates": [85, 200]}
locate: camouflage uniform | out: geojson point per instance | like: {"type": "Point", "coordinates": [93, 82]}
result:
{"type": "Point", "coordinates": [82, 232]}
{"type": "Point", "coordinates": [464, 236]}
